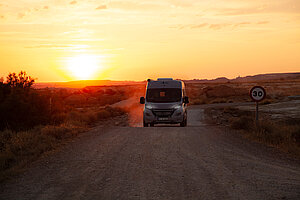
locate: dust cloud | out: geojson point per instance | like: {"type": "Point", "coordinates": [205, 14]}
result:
{"type": "Point", "coordinates": [134, 110]}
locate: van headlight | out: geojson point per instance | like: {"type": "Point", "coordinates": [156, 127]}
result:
{"type": "Point", "coordinates": [148, 107]}
{"type": "Point", "coordinates": [177, 107]}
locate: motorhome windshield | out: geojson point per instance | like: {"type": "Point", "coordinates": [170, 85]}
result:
{"type": "Point", "coordinates": [163, 95]}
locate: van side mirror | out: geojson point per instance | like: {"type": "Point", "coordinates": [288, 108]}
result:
{"type": "Point", "coordinates": [142, 100]}
{"type": "Point", "coordinates": [186, 99]}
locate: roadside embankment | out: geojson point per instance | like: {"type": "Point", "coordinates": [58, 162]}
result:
{"type": "Point", "coordinates": [20, 148]}
{"type": "Point", "coordinates": [281, 132]}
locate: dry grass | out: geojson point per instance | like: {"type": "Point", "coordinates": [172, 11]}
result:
{"type": "Point", "coordinates": [20, 148]}
{"type": "Point", "coordinates": [17, 149]}
{"type": "Point", "coordinates": [283, 134]}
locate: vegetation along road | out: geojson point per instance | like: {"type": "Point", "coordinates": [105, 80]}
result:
{"type": "Point", "coordinates": [199, 161]}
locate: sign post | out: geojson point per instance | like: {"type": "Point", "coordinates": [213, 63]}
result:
{"type": "Point", "coordinates": [257, 94]}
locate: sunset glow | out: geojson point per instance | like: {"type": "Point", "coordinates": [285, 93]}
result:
{"type": "Point", "coordinates": [83, 67]}
{"type": "Point", "coordinates": [143, 39]}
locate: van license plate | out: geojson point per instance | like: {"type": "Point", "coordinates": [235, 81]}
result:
{"type": "Point", "coordinates": [163, 118]}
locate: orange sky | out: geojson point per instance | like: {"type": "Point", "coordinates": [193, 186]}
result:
{"type": "Point", "coordinates": [62, 40]}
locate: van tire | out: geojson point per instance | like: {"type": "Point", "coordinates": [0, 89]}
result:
{"type": "Point", "coordinates": [145, 124]}
{"type": "Point", "coordinates": [152, 124]}
{"type": "Point", "coordinates": [184, 122]}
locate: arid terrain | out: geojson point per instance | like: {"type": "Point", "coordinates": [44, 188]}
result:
{"type": "Point", "coordinates": [94, 146]}
{"type": "Point", "coordinates": [199, 161]}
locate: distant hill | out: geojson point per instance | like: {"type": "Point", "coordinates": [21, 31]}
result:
{"type": "Point", "coordinates": [83, 83]}
{"type": "Point", "coordinates": [267, 77]}
{"type": "Point", "coordinates": [254, 78]}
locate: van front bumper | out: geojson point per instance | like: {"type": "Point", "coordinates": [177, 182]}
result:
{"type": "Point", "coordinates": [177, 116]}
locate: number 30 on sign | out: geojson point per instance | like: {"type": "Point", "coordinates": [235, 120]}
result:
{"type": "Point", "coordinates": [257, 93]}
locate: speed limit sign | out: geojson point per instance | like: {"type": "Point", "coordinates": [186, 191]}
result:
{"type": "Point", "coordinates": [257, 93]}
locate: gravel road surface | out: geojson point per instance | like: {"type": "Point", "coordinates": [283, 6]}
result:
{"type": "Point", "coordinates": [195, 162]}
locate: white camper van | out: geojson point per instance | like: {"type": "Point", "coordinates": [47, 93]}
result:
{"type": "Point", "coordinates": [165, 102]}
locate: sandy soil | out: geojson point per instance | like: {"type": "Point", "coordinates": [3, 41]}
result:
{"type": "Point", "coordinates": [195, 162]}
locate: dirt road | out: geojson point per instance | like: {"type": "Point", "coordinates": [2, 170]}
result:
{"type": "Point", "coordinates": [195, 162]}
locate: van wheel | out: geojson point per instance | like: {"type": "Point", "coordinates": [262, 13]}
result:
{"type": "Point", "coordinates": [183, 123]}
{"type": "Point", "coordinates": [145, 124]}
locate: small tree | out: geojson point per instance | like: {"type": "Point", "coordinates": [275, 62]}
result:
{"type": "Point", "coordinates": [19, 81]}
{"type": "Point", "coordinates": [21, 107]}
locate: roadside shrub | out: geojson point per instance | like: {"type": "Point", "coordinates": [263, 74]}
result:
{"type": "Point", "coordinates": [90, 117]}
{"type": "Point", "coordinates": [21, 107]}
{"type": "Point", "coordinates": [74, 117]}
{"type": "Point", "coordinates": [235, 112]}
{"type": "Point", "coordinates": [231, 110]}
{"type": "Point", "coordinates": [110, 91]}
{"type": "Point", "coordinates": [114, 111]}
{"type": "Point", "coordinates": [21, 111]}
{"type": "Point", "coordinates": [294, 124]}
{"type": "Point", "coordinates": [58, 118]}
{"type": "Point", "coordinates": [103, 114]}
{"type": "Point", "coordinates": [23, 146]}
{"type": "Point", "coordinates": [29, 143]}
{"type": "Point", "coordinates": [242, 123]}
{"type": "Point", "coordinates": [19, 148]}
{"type": "Point", "coordinates": [83, 118]}
{"type": "Point", "coordinates": [58, 132]}
{"type": "Point", "coordinates": [281, 133]}
{"type": "Point", "coordinates": [275, 133]}
{"type": "Point", "coordinates": [5, 136]}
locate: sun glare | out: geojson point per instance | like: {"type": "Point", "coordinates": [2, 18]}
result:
{"type": "Point", "coordinates": [83, 66]}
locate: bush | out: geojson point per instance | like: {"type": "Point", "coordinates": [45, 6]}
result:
{"type": "Point", "coordinates": [29, 143]}
{"type": "Point", "coordinates": [103, 114]}
{"type": "Point", "coordinates": [58, 118]}
{"type": "Point", "coordinates": [284, 133]}
{"type": "Point", "coordinates": [58, 132]}
{"type": "Point", "coordinates": [23, 146]}
{"type": "Point", "coordinates": [114, 111]}
{"type": "Point", "coordinates": [19, 148]}
{"type": "Point", "coordinates": [5, 136]}
{"type": "Point", "coordinates": [21, 107]}
{"type": "Point", "coordinates": [242, 123]}
{"type": "Point", "coordinates": [276, 133]}
{"type": "Point", "coordinates": [89, 117]}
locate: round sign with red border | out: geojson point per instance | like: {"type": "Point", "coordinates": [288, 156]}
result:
{"type": "Point", "coordinates": [257, 93]}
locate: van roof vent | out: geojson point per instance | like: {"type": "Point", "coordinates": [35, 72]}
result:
{"type": "Point", "coordinates": [164, 79]}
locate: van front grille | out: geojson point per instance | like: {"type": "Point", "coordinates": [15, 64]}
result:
{"type": "Point", "coordinates": [162, 113]}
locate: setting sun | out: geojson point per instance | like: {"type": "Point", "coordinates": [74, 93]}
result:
{"type": "Point", "coordinates": [83, 66]}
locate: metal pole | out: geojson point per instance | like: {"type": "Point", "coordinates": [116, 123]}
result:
{"type": "Point", "coordinates": [256, 114]}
